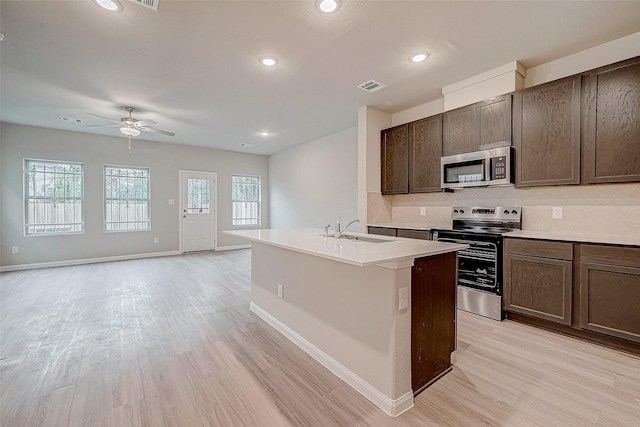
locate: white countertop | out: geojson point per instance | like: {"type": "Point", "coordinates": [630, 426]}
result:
{"type": "Point", "coordinates": [361, 253]}
{"type": "Point", "coordinates": [631, 239]}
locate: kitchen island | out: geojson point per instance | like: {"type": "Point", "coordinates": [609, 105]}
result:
{"type": "Point", "coordinates": [377, 311]}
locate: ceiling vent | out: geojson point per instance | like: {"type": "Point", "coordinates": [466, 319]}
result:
{"type": "Point", "coordinates": [149, 4]}
{"type": "Point", "coordinates": [372, 86]}
{"type": "Point", "coordinates": [71, 120]}
{"type": "Point", "coordinates": [246, 145]}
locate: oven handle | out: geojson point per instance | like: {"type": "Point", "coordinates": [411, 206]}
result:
{"type": "Point", "coordinates": [467, 242]}
{"type": "Point", "coordinates": [476, 258]}
{"type": "Point", "coordinates": [482, 285]}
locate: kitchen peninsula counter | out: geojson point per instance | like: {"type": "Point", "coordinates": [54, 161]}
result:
{"type": "Point", "coordinates": [378, 312]}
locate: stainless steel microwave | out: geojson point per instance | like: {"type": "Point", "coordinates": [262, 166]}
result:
{"type": "Point", "coordinates": [478, 169]}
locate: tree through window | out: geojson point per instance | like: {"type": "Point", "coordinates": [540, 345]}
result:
{"type": "Point", "coordinates": [126, 199]}
{"type": "Point", "coordinates": [245, 200]}
{"type": "Point", "coordinates": [53, 197]}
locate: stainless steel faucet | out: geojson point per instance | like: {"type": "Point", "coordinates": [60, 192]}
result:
{"type": "Point", "coordinates": [339, 230]}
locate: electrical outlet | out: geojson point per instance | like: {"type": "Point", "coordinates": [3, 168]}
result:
{"type": "Point", "coordinates": [155, 240]}
{"type": "Point", "coordinates": [14, 249]}
{"type": "Point", "coordinates": [172, 202]}
{"type": "Point", "coordinates": [423, 211]}
{"type": "Point", "coordinates": [280, 290]}
{"type": "Point", "coordinates": [557, 212]}
{"type": "Point", "coordinates": [403, 298]}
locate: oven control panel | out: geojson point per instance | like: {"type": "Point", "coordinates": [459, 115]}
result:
{"type": "Point", "coordinates": [483, 211]}
{"type": "Point", "coordinates": [510, 214]}
{"type": "Point", "coordinates": [498, 168]}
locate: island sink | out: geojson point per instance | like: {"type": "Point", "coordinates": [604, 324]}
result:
{"type": "Point", "coordinates": [355, 238]}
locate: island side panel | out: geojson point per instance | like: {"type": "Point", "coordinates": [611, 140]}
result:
{"type": "Point", "coordinates": [349, 312]}
{"type": "Point", "coordinates": [433, 315]}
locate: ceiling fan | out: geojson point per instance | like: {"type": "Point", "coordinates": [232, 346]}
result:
{"type": "Point", "coordinates": [130, 126]}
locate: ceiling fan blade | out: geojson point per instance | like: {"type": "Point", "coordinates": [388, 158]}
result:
{"type": "Point", "coordinates": [105, 126]}
{"type": "Point", "coordinates": [154, 130]}
{"type": "Point", "coordinates": [146, 122]}
{"type": "Point", "coordinates": [105, 118]}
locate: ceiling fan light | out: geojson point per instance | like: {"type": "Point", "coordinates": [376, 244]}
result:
{"type": "Point", "coordinates": [129, 131]}
{"type": "Point", "coordinates": [110, 5]}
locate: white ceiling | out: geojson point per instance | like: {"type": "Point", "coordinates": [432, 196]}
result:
{"type": "Point", "coordinates": [192, 66]}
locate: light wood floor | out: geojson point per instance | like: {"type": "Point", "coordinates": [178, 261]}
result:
{"type": "Point", "coordinates": [171, 342]}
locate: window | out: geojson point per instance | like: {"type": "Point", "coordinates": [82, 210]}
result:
{"type": "Point", "coordinates": [199, 195]}
{"type": "Point", "coordinates": [126, 199]}
{"type": "Point", "coordinates": [245, 200]}
{"type": "Point", "coordinates": [53, 197]}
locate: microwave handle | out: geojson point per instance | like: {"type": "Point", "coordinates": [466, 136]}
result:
{"type": "Point", "coordinates": [487, 169]}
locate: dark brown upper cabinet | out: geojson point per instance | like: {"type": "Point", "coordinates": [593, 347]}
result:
{"type": "Point", "coordinates": [494, 117]}
{"type": "Point", "coordinates": [479, 126]}
{"type": "Point", "coordinates": [425, 151]}
{"type": "Point", "coordinates": [611, 123]}
{"type": "Point", "coordinates": [394, 160]}
{"type": "Point", "coordinates": [458, 131]}
{"type": "Point", "coordinates": [546, 134]}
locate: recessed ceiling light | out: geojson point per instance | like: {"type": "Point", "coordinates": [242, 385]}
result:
{"type": "Point", "coordinates": [264, 133]}
{"type": "Point", "coordinates": [419, 56]}
{"type": "Point", "coordinates": [268, 61]}
{"type": "Point", "coordinates": [110, 5]}
{"type": "Point", "coordinates": [328, 6]}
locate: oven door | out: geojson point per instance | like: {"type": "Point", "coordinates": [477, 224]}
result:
{"type": "Point", "coordinates": [478, 265]}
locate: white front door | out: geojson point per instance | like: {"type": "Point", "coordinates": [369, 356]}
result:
{"type": "Point", "coordinates": [197, 211]}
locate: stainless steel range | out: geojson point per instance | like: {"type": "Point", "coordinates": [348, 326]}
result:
{"type": "Point", "coordinates": [480, 266]}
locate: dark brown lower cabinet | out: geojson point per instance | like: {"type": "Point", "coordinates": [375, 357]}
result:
{"type": "Point", "coordinates": [414, 234]}
{"type": "Point", "coordinates": [433, 311]}
{"type": "Point", "coordinates": [586, 290]}
{"type": "Point", "coordinates": [538, 279]}
{"type": "Point", "coordinates": [610, 291]}
{"type": "Point", "coordinates": [408, 233]}
{"type": "Point", "coordinates": [539, 287]}
{"type": "Point", "coordinates": [382, 231]}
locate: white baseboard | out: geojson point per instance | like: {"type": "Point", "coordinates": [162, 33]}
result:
{"type": "Point", "coordinates": [233, 247]}
{"type": "Point", "coordinates": [86, 261]}
{"type": "Point", "coordinates": [393, 407]}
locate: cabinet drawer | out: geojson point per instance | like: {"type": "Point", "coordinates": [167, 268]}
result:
{"type": "Point", "coordinates": [382, 231]}
{"type": "Point", "coordinates": [414, 234]}
{"type": "Point", "coordinates": [614, 255]}
{"type": "Point", "coordinates": [539, 248]}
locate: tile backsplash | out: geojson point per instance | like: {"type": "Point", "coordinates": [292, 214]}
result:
{"type": "Point", "coordinates": [593, 208]}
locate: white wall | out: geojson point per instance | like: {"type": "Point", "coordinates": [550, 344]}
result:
{"type": "Point", "coordinates": [599, 56]}
{"type": "Point", "coordinates": [18, 142]}
{"type": "Point", "coordinates": [361, 335]}
{"type": "Point", "coordinates": [370, 123]}
{"type": "Point", "coordinates": [314, 183]}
